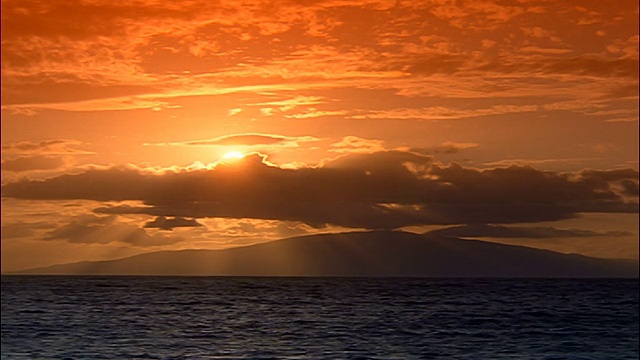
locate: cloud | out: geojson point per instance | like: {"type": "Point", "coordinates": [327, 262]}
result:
{"type": "Point", "coordinates": [352, 144]}
{"type": "Point", "coordinates": [451, 147]}
{"type": "Point", "coordinates": [28, 163]}
{"type": "Point", "coordinates": [44, 157]}
{"type": "Point", "coordinates": [250, 231]}
{"type": "Point", "coordinates": [442, 113]}
{"type": "Point", "coordinates": [267, 111]}
{"type": "Point", "coordinates": [623, 119]}
{"type": "Point", "coordinates": [499, 231]}
{"type": "Point", "coordinates": [535, 49]}
{"type": "Point", "coordinates": [91, 229]}
{"type": "Point", "coordinates": [100, 56]}
{"type": "Point", "coordinates": [448, 147]}
{"type": "Point", "coordinates": [45, 147]}
{"type": "Point", "coordinates": [477, 15]}
{"type": "Point", "coordinates": [290, 104]}
{"type": "Point", "coordinates": [436, 64]}
{"type": "Point", "coordinates": [525, 162]}
{"type": "Point", "coordinates": [22, 229]}
{"type": "Point", "coordinates": [592, 66]}
{"type": "Point", "coordinates": [234, 111]}
{"type": "Point", "coordinates": [542, 63]}
{"type": "Point", "coordinates": [164, 223]}
{"type": "Point", "coordinates": [247, 142]}
{"type": "Point", "coordinates": [107, 104]}
{"type": "Point", "coordinates": [314, 113]}
{"type": "Point", "coordinates": [627, 48]}
{"type": "Point", "coordinates": [388, 189]}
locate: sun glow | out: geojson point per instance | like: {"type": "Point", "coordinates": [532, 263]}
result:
{"type": "Point", "coordinates": [233, 155]}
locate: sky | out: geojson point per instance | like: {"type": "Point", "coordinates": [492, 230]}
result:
{"type": "Point", "coordinates": [146, 125]}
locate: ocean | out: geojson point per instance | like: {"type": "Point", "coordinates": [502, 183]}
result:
{"type": "Point", "coordinates": [120, 317]}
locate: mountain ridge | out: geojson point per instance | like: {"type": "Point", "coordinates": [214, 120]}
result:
{"type": "Point", "coordinates": [367, 254]}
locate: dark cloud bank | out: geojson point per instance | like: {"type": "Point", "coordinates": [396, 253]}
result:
{"type": "Point", "coordinates": [384, 190]}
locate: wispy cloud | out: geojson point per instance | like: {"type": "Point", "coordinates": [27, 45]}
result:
{"type": "Point", "coordinates": [354, 144]}
{"type": "Point", "coordinates": [536, 162]}
{"type": "Point", "coordinates": [441, 112]}
{"type": "Point", "coordinates": [39, 159]}
{"type": "Point", "coordinates": [535, 49]}
{"type": "Point", "coordinates": [290, 104]}
{"type": "Point", "coordinates": [248, 140]}
{"type": "Point", "coordinates": [314, 113]}
{"type": "Point", "coordinates": [45, 147]}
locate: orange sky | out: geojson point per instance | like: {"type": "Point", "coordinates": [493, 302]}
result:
{"type": "Point", "coordinates": [511, 121]}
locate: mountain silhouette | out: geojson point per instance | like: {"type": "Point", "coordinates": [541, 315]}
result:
{"type": "Point", "coordinates": [366, 254]}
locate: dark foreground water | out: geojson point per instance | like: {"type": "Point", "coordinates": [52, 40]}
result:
{"type": "Point", "coordinates": [317, 318]}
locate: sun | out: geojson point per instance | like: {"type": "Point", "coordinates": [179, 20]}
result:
{"type": "Point", "coordinates": [233, 155]}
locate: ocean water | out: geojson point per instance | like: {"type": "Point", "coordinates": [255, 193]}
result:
{"type": "Point", "coordinates": [58, 317]}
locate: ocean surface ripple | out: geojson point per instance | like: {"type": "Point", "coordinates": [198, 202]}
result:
{"type": "Point", "coordinates": [67, 317]}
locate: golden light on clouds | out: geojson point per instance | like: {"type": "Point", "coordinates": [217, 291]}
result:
{"type": "Point", "coordinates": [478, 112]}
{"type": "Point", "coordinates": [233, 155]}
